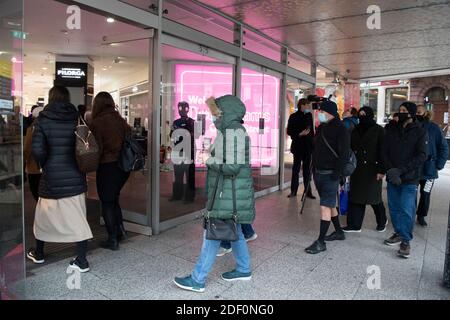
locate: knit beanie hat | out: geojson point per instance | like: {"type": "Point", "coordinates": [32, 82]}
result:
{"type": "Point", "coordinates": [330, 107]}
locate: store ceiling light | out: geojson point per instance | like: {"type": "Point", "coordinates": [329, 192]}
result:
{"type": "Point", "coordinates": [135, 89]}
{"type": "Point", "coordinates": [44, 68]}
{"type": "Point", "coordinates": [110, 20]}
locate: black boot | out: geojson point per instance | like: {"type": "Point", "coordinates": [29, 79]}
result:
{"type": "Point", "coordinates": [421, 221]}
{"type": "Point", "coordinates": [109, 215]}
{"type": "Point", "coordinates": [177, 192]}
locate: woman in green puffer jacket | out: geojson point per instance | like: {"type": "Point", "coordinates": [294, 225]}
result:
{"type": "Point", "coordinates": [228, 113]}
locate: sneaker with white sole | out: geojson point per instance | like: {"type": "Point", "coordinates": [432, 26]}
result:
{"type": "Point", "coordinates": [252, 238]}
{"type": "Point", "coordinates": [382, 229]}
{"type": "Point", "coordinates": [187, 283]}
{"type": "Point", "coordinates": [350, 230]}
{"type": "Point", "coordinates": [35, 257]}
{"type": "Point", "coordinates": [80, 266]}
{"type": "Point", "coordinates": [236, 276]}
{"type": "Point", "coordinates": [223, 251]}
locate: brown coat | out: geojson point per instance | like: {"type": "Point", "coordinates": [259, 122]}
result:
{"type": "Point", "coordinates": [31, 166]}
{"type": "Point", "coordinates": [109, 129]}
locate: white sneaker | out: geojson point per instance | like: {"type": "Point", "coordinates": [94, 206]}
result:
{"type": "Point", "coordinates": [252, 238]}
{"type": "Point", "coordinates": [223, 251]}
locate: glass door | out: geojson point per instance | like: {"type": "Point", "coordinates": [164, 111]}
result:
{"type": "Point", "coordinates": [261, 95]}
{"type": "Point", "coordinates": [188, 79]}
{"type": "Point", "coordinates": [295, 90]}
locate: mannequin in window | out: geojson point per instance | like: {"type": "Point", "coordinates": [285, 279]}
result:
{"type": "Point", "coordinates": [181, 190]}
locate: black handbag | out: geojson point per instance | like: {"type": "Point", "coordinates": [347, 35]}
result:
{"type": "Point", "coordinates": [132, 156]}
{"type": "Point", "coordinates": [221, 229]}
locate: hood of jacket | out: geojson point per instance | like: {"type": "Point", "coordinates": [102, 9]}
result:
{"type": "Point", "coordinates": [60, 112]}
{"type": "Point", "coordinates": [233, 111]}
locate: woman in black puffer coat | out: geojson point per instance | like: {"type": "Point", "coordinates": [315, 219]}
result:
{"type": "Point", "coordinates": [61, 209]}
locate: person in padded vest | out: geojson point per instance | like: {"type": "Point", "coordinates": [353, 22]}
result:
{"type": "Point", "coordinates": [328, 171]}
{"type": "Point", "coordinates": [110, 129]}
{"type": "Point", "coordinates": [61, 208]}
{"type": "Point", "coordinates": [228, 112]}
{"type": "Point", "coordinates": [405, 150]}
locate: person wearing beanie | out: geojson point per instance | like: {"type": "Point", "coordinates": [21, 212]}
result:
{"type": "Point", "coordinates": [438, 155]}
{"type": "Point", "coordinates": [405, 151]}
{"type": "Point", "coordinates": [331, 152]}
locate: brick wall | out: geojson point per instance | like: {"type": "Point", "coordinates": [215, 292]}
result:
{"type": "Point", "coordinates": [419, 88]}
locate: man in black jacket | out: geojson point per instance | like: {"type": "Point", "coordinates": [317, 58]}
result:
{"type": "Point", "coordinates": [300, 129]}
{"type": "Point", "coordinates": [331, 153]}
{"type": "Point", "coordinates": [405, 150]}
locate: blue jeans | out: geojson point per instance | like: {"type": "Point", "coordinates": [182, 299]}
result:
{"type": "Point", "coordinates": [402, 205]}
{"type": "Point", "coordinates": [248, 231]}
{"type": "Point", "coordinates": [208, 256]}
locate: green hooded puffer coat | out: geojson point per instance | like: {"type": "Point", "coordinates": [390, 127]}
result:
{"type": "Point", "coordinates": [233, 111]}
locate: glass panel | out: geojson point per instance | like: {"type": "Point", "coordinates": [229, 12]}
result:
{"type": "Point", "coordinates": [261, 95]}
{"type": "Point", "coordinates": [294, 92]}
{"type": "Point", "coordinates": [299, 63]}
{"type": "Point", "coordinates": [394, 98]}
{"type": "Point", "coordinates": [114, 60]}
{"type": "Point", "coordinates": [262, 46]}
{"type": "Point", "coordinates": [124, 69]}
{"type": "Point", "coordinates": [370, 99]}
{"type": "Point", "coordinates": [192, 78]}
{"type": "Point", "coordinates": [12, 267]}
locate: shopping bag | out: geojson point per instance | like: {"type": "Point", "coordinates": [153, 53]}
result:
{"type": "Point", "coordinates": [343, 197]}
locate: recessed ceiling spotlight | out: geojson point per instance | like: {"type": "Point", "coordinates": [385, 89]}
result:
{"type": "Point", "coordinates": [114, 44]}
{"type": "Point", "coordinates": [110, 20]}
{"type": "Point", "coordinates": [135, 89]}
{"type": "Point", "coordinates": [44, 68]}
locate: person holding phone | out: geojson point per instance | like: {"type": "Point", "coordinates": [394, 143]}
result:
{"type": "Point", "coordinates": [300, 129]}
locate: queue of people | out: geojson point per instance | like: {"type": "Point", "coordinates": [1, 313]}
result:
{"type": "Point", "coordinates": [60, 214]}
{"type": "Point", "coordinates": [408, 153]}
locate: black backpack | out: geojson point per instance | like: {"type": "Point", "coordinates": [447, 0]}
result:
{"type": "Point", "coordinates": [350, 164]}
{"type": "Point", "coordinates": [132, 156]}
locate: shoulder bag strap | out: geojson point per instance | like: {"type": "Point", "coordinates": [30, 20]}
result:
{"type": "Point", "coordinates": [233, 186]}
{"type": "Point", "coordinates": [328, 145]}
{"type": "Point", "coordinates": [216, 185]}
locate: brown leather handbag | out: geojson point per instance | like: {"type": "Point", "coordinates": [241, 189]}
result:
{"type": "Point", "coordinates": [87, 151]}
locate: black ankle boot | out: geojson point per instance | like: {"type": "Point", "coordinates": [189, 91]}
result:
{"type": "Point", "coordinates": [111, 244]}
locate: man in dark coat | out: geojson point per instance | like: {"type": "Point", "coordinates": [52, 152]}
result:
{"type": "Point", "coordinates": [367, 180]}
{"type": "Point", "coordinates": [331, 153]}
{"type": "Point", "coordinates": [300, 129]}
{"type": "Point", "coordinates": [405, 150]}
{"type": "Point", "coordinates": [437, 157]}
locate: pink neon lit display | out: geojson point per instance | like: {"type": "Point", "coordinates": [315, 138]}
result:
{"type": "Point", "coordinates": [260, 93]}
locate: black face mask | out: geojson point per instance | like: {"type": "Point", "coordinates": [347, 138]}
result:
{"type": "Point", "coordinates": [402, 117]}
{"type": "Point", "coordinates": [420, 118]}
{"type": "Point", "coordinates": [364, 120]}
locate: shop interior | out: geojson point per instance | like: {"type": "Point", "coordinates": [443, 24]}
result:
{"type": "Point", "coordinates": [117, 57]}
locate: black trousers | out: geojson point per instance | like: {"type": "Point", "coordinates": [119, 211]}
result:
{"type": "Point", "coordinates": [300, 158]}
{"type": "Point", "coordinates": [181, 170]}
{"type": "Point", "coordinates": [33, 182]}
{"type": "Point", "coordinates": [356, 212]}
{"type": "Point", "coordinates": [425, 198]}
{"type": "Point", "coordinates": [110, 181]}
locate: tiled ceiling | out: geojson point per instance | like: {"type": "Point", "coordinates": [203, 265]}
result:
{"type": "Point", "coordinates": [414, 34]}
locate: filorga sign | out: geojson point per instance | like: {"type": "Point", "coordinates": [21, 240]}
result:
{"type": "Point", "coordinates": [71, 74]}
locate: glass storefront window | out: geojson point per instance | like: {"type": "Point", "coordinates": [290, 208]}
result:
{"type": "Point", "coordinates": [262, 46]}
{"type": "Point", "coordinates": [294, 92]}
{"type": "Point", "coordinates": [261, 96]}
{"type": "Point", "coordinates": [191, 78]}
{"type": "Point", "coordinates": [299, 63]}
{"type": "Point", "coordinates": [12, 267]}
{"type": "Point", "coordinates": [394, 98]}
{"type": "Point", "coordinates": [192, 15]}
{"type": "Point", "coordinates": [369, 98]}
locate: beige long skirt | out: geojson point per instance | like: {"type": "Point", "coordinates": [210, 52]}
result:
{"type": "Point", "coordinates": [63, 220]}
